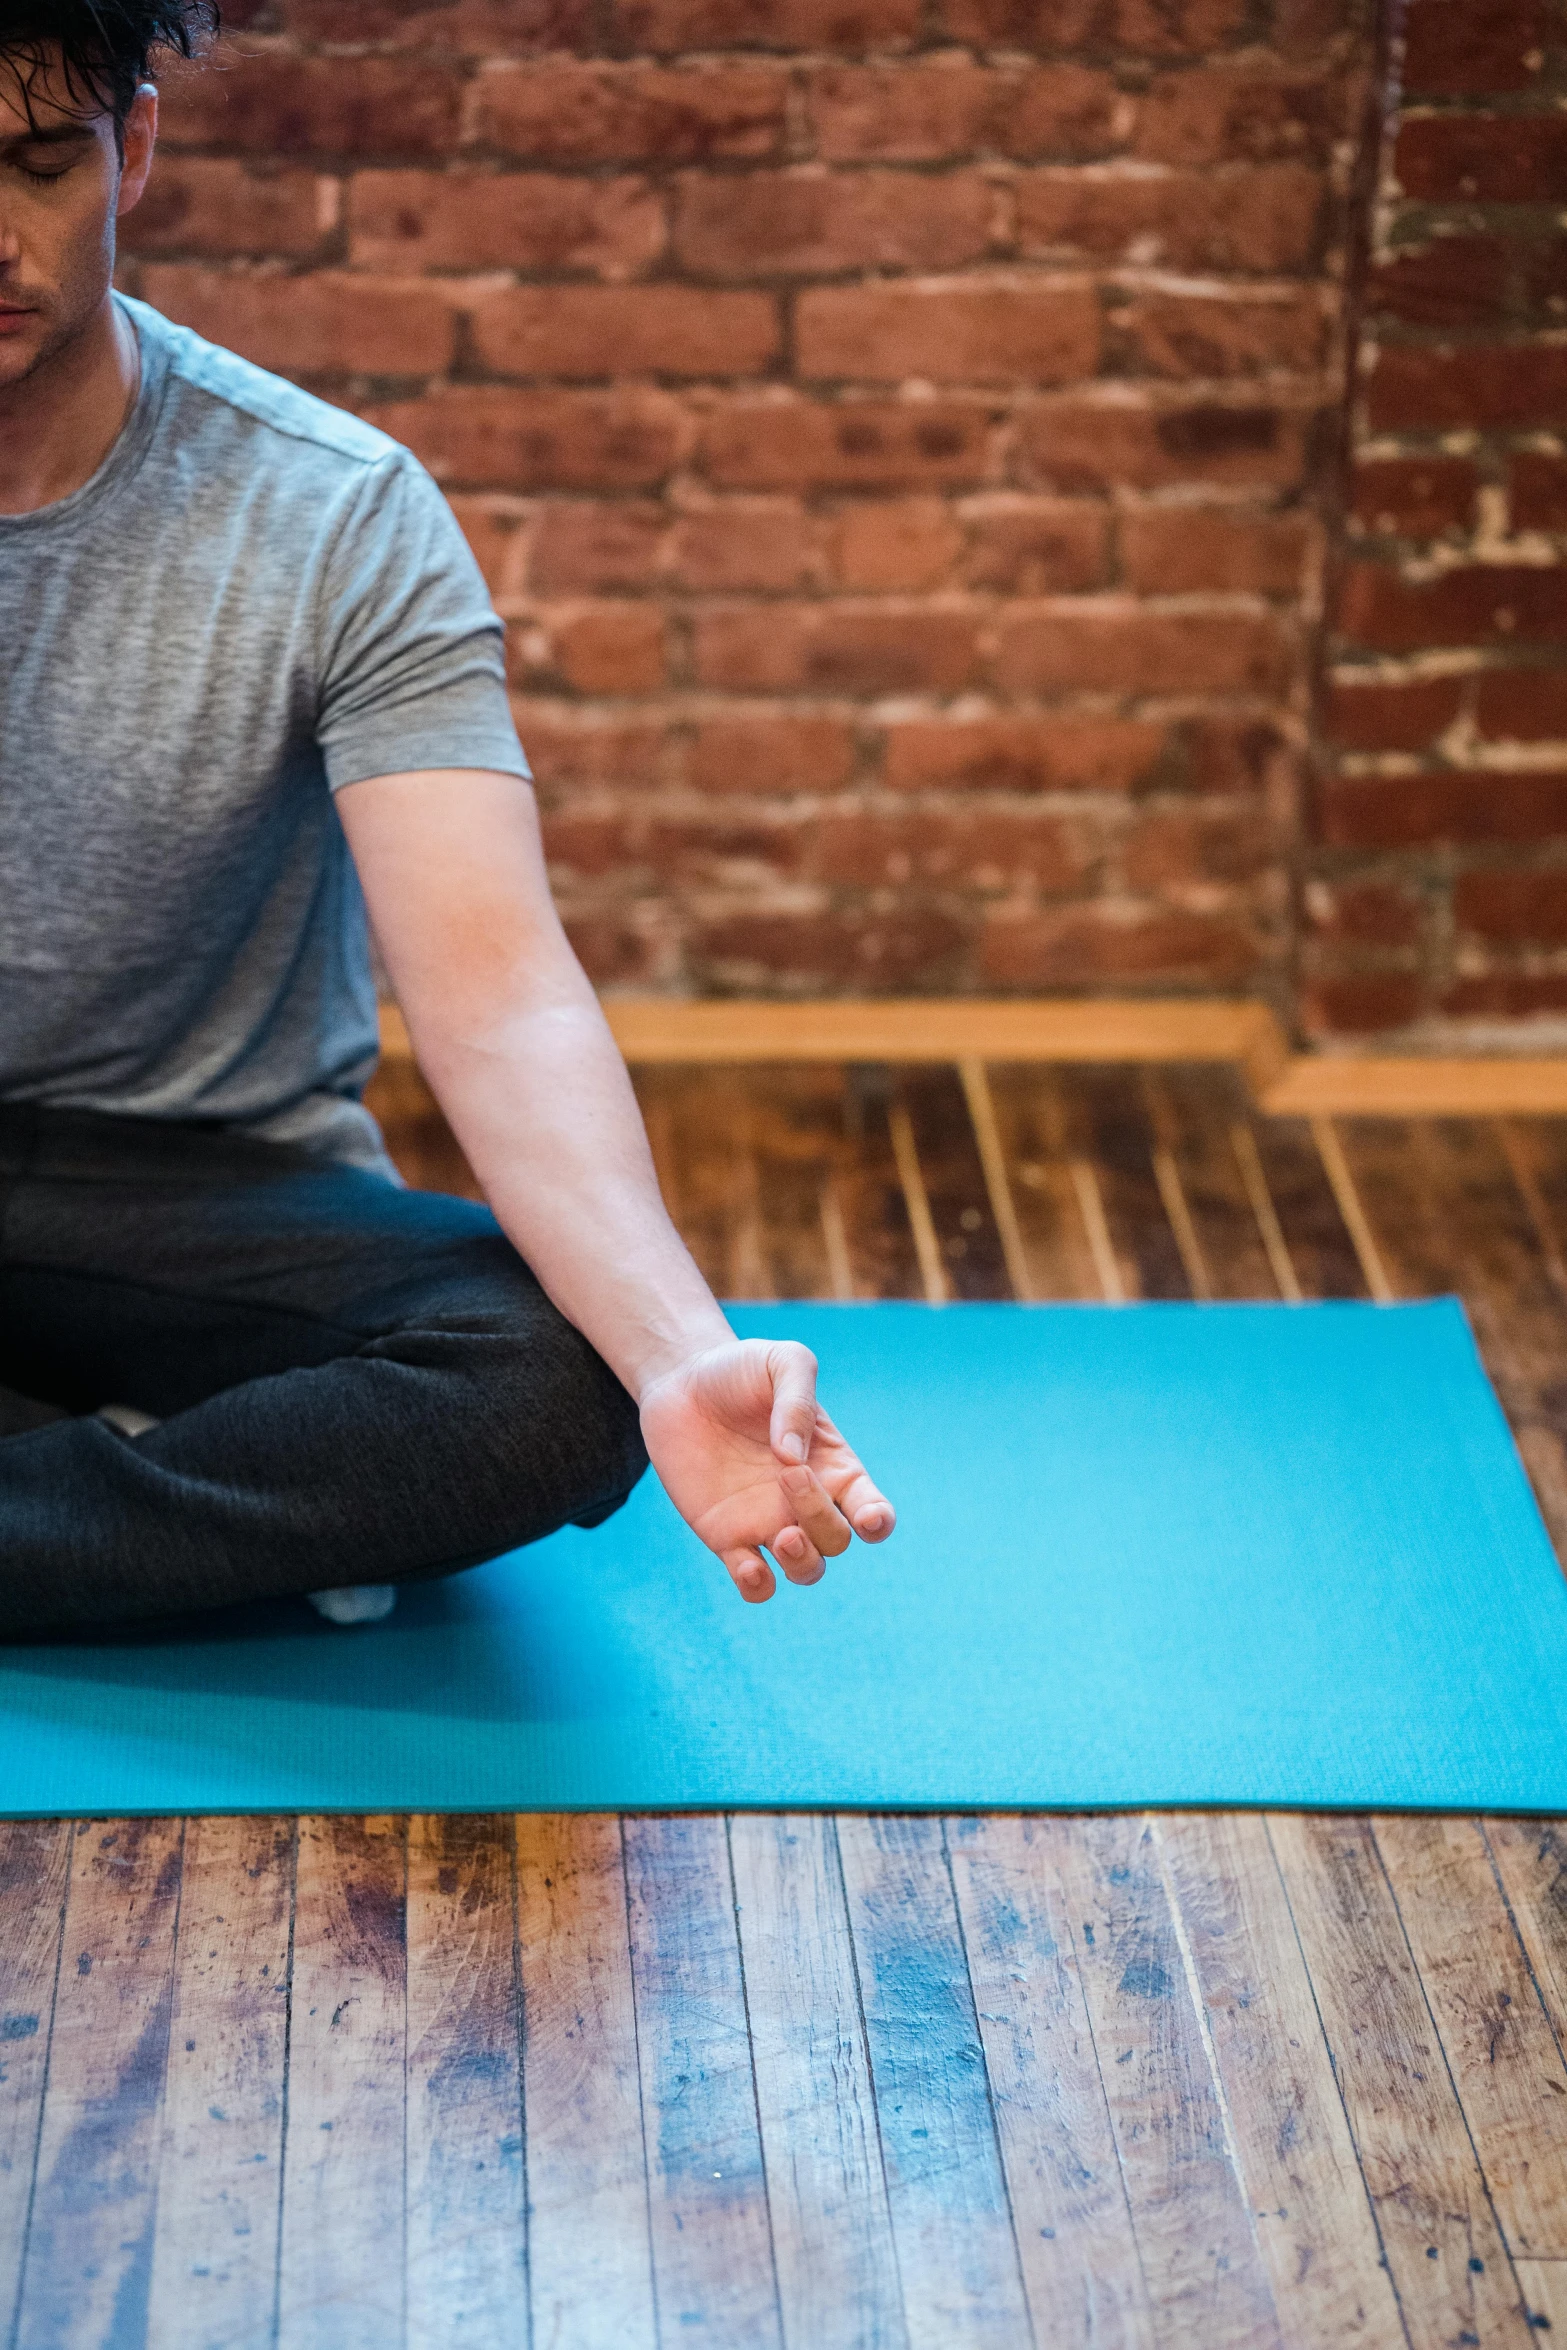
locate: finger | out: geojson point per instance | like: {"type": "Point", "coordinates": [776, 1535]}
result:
{"type": "Point", "coordinates": [753, 1577]}
{"type": "Point", "coordinates": [816, 1511]}
{"type": "Point", "coordinates": [867, 1509]}
{"type": "Point", "coordinates": [793, 1421]}
{"type": "Point", "coordinates": [798, 1555]}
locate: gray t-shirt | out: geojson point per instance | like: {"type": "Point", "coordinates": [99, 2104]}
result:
{"type": "Point", "coordinates": [255, 600]}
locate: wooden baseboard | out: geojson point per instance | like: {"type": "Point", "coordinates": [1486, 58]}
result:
{"type": "Point", "coordinates": [651, 1029]}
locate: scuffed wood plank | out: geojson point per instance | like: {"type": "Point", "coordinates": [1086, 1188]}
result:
{"type": "Point", "coordinates": [590, 2262]}
{"type": "Point", "coordinates": [1081, 2272]}
{"type": "Point", "coordinates": [1032, 1129]}
{"type": "Point", "coordinates": [341, 2278]}
{"type": "Point", "coordinates": [969, 1247]}
{"type": "Point", "coordinates": [467, 2265]}
{"type": "Point", "coordinates": [1197, 1113]}
{"type": "Point", "coordinates": [832, 2236]}
{"type": "Point", "coordinates": [1531, 1861]}
{"type": "Point", "coordinates": [1446, 2256]}
{"type": "Point", "coordinates": [883, 1255]}
{"type": "Point", "coordinates": [1194, 2228]}
{"type": "Point", "coordinates": [214, 2262]}
{"type": "Point", "coordinates": [1320, 1248]}
{"type": "Point", "coordinates": [1109, 1130]}
{"type": "Point", "coordinates": [1506, 2065]}
{"type": "Point", "coordinates": [951, 2223]}
{"type": "Point", "coordinates": [1544, 2285]}
{"type": "Point", "coordinates": [712, 2249]}
{"type": "Point", "coordinates": [89, 2251]}
{"type": "Point", "coordinates": [35, 1866]}
{"type": "Point", "coordinates": [799, 1146]}
{"type": "Point", "coordinates": [1292, 2144]}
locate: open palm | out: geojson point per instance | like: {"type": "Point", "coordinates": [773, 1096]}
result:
{"type": "Point", "coordinates": [750, 1459]}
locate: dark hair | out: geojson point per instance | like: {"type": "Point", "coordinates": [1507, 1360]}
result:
{"type": "Point", "coordinates": [106, 47]}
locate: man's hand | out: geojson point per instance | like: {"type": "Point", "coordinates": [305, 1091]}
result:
{"type": "Point", "coordinates": [748, 1457]}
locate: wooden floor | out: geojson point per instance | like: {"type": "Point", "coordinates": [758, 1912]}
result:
{"type": "Point", "coordinates": [1183, 2080]}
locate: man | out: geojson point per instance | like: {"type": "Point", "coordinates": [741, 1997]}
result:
{"type": "Point", "coordinates": [252, 686]}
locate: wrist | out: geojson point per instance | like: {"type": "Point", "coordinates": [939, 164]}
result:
{"type": "Point", "coordinates": [670, 1351]}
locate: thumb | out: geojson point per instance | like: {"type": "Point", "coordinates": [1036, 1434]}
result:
{"type": "Point", "coordinates": [793, 1421]}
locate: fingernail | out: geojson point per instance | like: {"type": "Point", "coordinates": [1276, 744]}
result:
{"type": "Point", "coordinates": [872, 1521]}
{"type": "Point", "coordinates": [793, 1448]}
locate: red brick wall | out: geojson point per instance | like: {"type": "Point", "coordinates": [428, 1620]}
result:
{"type": "Point", "coordinates": [898, 433]}
{"type": "Point", "coordinates": [1436, 900]}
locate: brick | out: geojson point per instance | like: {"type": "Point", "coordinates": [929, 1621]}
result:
{"type": "Point", "coordinates": [1414, 497]}
{"type": "Point", "coordinates": [1213, 550]}
{"type": "Point", "coordinates": [1444, 804]}
{"type": "Point", "coordinates": [809, 222]}
{"type": "Point", "coordinates": [915, 113]}
{"type": "Point", "coordinates": [1220, 754]}
{"type": "Point", "coordinates": [1170, 847]}
{"type": "Point", "coordinates": [892, 544]}
{"type": "Point", "coordinates": [1406, 716]}
{"type": "Point", "coordinates": [1176, 28]}
{"type": "Point", "coordinates": [986, 850]}
{"type": "Point", "coordinates": [612, 949]}
{"type": "Point", "coordinates": [587, 546]}
{"type": "Point", "coordinates": [743, 544]}
{"type": "Point", "coordinates": [565, 112]}
{"type": "Point", "coordinates": [495, 530]}
{"type": "Point", "coordinates": [1120, 441]}
{"type": "Point", "coordinates": [1538, 491]}
{"type": "Point", "coordinates": [585, 848]}
{"type": "Point", "coordinates": [1262, 218]}
{"type": "Point", "coordinates": [1471, 48]}
{"type": "Point", "coordinates": [1061, 113]}
{"type": "Point", "coordinates": [613, 648]}
{"type": "Point", "coordinates": [568, 751]}
{"type": "Point", "coordinates": [1228, 114]}
{"type": "Point", "coordinates": [1303, 29]}
{"type": "Point", "coordinates": [915, 947]}
{"type": "Point", "coordinates": [1501, 386]}
{"type": "Point", "coordinates": [1029, 24]}
{"type": "Point", "coordinates": [834, 648]}
{"type": "Point", "coordinates": [504, 220]}
{"type": "Point", "coordinates": [1522, 705]}
{"type": "Point", "coordinates": [1454, 281]}
{"type": "Point", "coordinates": [1036, 546]}
{"type": "Point", "coordinates": [949, 331]}
{"type": "Point", "coordinates": [488, 436]}
{"type": "Point", "coordinates": [1023, 754]}
{"type": "Point", "coordinates": [1222, 334]}
{"type": "Point", "coordinates": [1084, 946]}
{"type": "Point", "coordinates": [1522, 909]}
{"type": "Point", "coordinates": [1359, 1003]}
{"type": "Point", "coordinates": [859, 444]}
{"type": "Point", "coordinates": [1056, 647]}
{"type": "Point", "coordinates": [327, 323]}
{"type": "Point", "coordinates": [1508, 995]}
{"type": "Point", "coordinates": [722, 846]}
{"type": "Point", "coordinates": [589, 331]}
{"type": "Point", "coordinates": [1482, 158]}
{"type": "Point", "coordinates": [1481, 603]}
{"type": "Point", "coordinates": [666, 27]}
{"type": "Point", "coordinates": [772, 754]}
{"type": "Point", "coordinates": [269, 104]}
{"type": "Point", "coordinates": [475, 28]}
{"type": "Point", "coordinates": [215, 207]}
{"type": "Point", "coordinates": [1365, 913]}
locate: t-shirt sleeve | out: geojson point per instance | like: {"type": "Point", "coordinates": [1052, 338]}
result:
{"type": "Point", "coordinates": [413, 672]}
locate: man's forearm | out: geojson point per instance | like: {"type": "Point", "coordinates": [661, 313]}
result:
{"type": "Point", "coordinates": [540, 1101]}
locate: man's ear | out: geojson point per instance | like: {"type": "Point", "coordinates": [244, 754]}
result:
{"type": "Point", "coordinates": [139, 136]}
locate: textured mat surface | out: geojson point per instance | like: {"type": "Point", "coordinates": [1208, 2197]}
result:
{"type": "Point", "coordinates": [1160, 1554]}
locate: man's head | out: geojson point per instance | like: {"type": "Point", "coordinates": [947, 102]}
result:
{"type": "Point", "coordinates": [78, 116]}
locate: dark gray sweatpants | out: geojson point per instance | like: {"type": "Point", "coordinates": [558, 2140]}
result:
{"type": "Point", "coordinates": [357, 1384]}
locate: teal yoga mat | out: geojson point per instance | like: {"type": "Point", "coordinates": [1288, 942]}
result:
{"type": "Point", "coordinates": [1162, 1555]}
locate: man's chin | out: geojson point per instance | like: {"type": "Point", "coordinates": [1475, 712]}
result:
{"type": "Point", "coordinates": [22, 346]}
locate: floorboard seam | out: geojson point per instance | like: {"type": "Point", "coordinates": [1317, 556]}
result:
{"type": "Point", "coordinates": [750, 2052]}
{"type": "Point", "coordinates": [288, 2035]}
{"type": "Point", "coordinates": [636, 2042]}
{"type": "Point", "coordinates": [13, 2331]}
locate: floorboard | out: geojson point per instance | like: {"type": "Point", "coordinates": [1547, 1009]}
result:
{"type": "Point", "coordinates": [798, 2082]}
